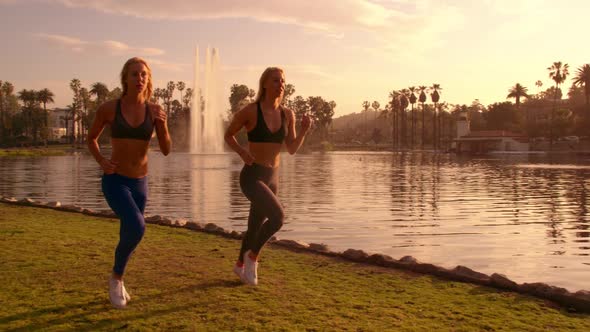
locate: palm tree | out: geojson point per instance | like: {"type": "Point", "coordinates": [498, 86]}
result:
{"type": "Point", "coordinates": [443, 115]}
{"type": "Point", "coordinates": [518, 91]}
{"type": "Point", "coordinates": [403, 103]}
{"type": "Point", "coordinates": [180, 86]}
{"type": "Point", "coordinates": [76, 86]}
{"type": "Point", "coordinates": [558, 73]}
{"type": "Point", "coordinates": [45, 96]}
{"type": "Point", "coordinates": [422, 99]}
{"type": "Point", "coordinates": [538, 84]}
{"type": "Point", "coordinates": [186, 100]}
{"type": "Point", "coordinates": [582, 79]}
{"type": "Point", "coordinates": [394, 105]}
{"type": "Point", "coordinates": [100, 90]}
{"type": "Point", "coordinates": [7, 89]}
{"type": "Point", "coordinates": [29, 98]}
{"type": "Point", "coordinates": [435, 96]}
{"type": "Point", "coordinates": [375, 105]}
{"type": "Point", "coordinates": [84, 116]}
{"type": "Point", "coordinates": [366, 106]}
{"type": "Point", "coordinates": [169, 90]}
{"type": "Point", "coordinates": [413, 100]}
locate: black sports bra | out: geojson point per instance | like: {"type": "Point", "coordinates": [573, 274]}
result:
{"type": "Point", "coordinates": [121, 129]}
{"type": "Point", "coordinates": [261, 133]}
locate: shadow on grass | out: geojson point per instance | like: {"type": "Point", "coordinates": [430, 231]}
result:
{"type": "Point", "coordinates": [126, 321]}
{"type": "Point", "coordinates": [521, 300]}
{"type": "Point", "coordinates": [103, 306]}
{"type": "Point", "coordinates": [93, 325]}
{"type": "Point", "coordinates": [50, 310]}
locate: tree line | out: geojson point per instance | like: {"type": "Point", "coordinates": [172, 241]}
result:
{"type": "Point", "coordinates": [25, 119]}
{"type": "Point", "coordinates": [415, 117]}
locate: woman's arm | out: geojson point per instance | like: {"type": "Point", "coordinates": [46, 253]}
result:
{"type": "Point", "coordinates": [161, 123]}
{"type": "Point", "coordinates": [294, 141]}
{"type": "Point", "coordinates": [239, 120]}
{"type": "Point", "coordinates": [100, 121]}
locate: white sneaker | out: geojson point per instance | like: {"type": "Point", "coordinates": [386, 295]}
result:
{"type": "Point", "coordinates": [116, 293]}
{"type": "Point", "coordinates": [239, 271]}
{"type": "Point", "coordinates": [125, 294]}
{"type": "Point", "coordinates": [250, 270]}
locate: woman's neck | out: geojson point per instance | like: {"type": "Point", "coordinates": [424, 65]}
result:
{"type": "Point", "coordinates": [133, 99]}
{"type": "Point", "coordinates": [271, 103]}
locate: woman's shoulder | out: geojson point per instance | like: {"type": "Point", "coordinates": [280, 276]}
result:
{"type": "Point", "coordinates": [253, 106]}
{"type": "Point", "coordinates": [288, 112]}
{"type": "Point", "coordinates": [108, 106]}
{"type": "Point", "coordinates": [248, 109]}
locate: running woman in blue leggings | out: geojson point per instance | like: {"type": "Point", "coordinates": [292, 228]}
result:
{"type": "Point", "coordinates": [269, 125]}
{"type": "Point", "coordinates": [132, 119]}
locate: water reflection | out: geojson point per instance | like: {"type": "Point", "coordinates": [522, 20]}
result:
{"type": "Point", "coordinates": [523, 216]}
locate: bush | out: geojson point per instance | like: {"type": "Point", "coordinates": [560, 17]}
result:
{"type": "Point", "coordinates": [326, 146]}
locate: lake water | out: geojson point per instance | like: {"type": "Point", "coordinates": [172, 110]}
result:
{"type": "Point", "coordinates": [525, 216]}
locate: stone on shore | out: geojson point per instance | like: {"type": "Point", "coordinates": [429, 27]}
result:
{"type": "Point", "coordinates": [501, 281]}
{"type": "Point", "coordinates": [319, 247]}
{"type": "Point", "coordinates": [355, 255]}
{"type": "Point", "coordinates": [292, 244]}
{"type": "Point", "coordinates": [8, 199]}
{"type": "Point", "coordinates": [53, 204]}
{"type": "Point", "coordinates": [466, 274]}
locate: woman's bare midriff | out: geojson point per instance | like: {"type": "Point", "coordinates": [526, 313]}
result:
{"type": "Point", "coordinates": [265, 154]}
{"type": "Point", "coordinates": [131, 155]}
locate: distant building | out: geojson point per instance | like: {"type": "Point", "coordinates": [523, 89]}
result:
{"type": "Point", "coordinates": [58, 118]}
{"type": "Point", "coordinates": [484, 141]}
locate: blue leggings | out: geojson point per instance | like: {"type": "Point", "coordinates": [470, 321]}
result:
{"type": "Point", "coordinates": [127, 198]}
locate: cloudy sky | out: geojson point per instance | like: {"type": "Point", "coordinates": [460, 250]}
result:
{"type": "Point", "coordinates": [343, 50]}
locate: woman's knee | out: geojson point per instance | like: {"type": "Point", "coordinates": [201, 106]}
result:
{"type": "Point", "coordinates": [134, 227]}
{"type": "Point", "coordinates": [278, 219]}
{"type": "Point", "coordinates": [139, 228]}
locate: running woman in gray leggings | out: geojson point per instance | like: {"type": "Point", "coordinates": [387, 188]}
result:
{"type": "Point", "coordinates": [268, 125]}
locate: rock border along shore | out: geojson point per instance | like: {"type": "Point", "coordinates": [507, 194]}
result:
{"type": "Point", "coordinates": [578, 301]}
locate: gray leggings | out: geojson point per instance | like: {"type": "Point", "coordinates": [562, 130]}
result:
{"type": "Point", "coordinates": [260, 185]}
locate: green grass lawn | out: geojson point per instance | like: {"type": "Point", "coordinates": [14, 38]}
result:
{"type": "Point", "coordinates": [55, 266]}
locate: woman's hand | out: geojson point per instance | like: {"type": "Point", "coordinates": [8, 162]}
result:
{"type": "Point", "coordinates": [108, 166]}
{"type": "Point", "coordinates": [247, 157]}
{"type": "Point", "coordinates": [158, 114]}
{"type": "Point", "coordinates": [306, 123]}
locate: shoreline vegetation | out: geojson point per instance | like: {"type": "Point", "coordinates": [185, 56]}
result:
{"type": "Point", "coordinates": [410, 117]}
{"type": "Point", "coordinates": [38, 151]}
{"type": "Point", "coordinates": [55, 268]}
{"type": "Point", "coordinates": [568, 302]}
{"type": "Point", "coordinates": [65, 149]}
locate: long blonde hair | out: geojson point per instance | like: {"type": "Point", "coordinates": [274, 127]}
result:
{"type": "Point", "coordinates": [149, 90]}
{"type": "Point", "coordinates": [261, 93]}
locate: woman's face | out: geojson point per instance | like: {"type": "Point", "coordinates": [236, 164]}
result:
{"type": "Point", "coordinates": [275, 84]}
{"type": "Point", "coordinates": [137, 78]}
